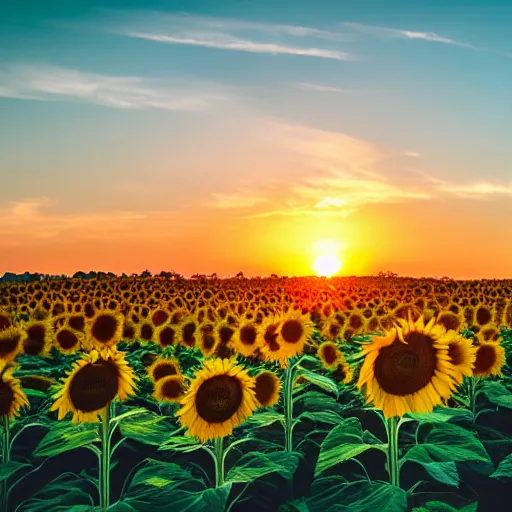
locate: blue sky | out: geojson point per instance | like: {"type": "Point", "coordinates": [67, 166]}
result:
{"type": "Point", "coordinates": [213, 116]}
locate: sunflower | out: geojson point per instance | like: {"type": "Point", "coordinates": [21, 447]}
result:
{"type": "Point", "coordinates": [169, 389]}
{"type": "Point", "coordinates": [408, 369]}
{"type": "Point", "coordinates": [12, 397]}
{"type": "Point", "coordinates": [5, 320]}
{"type": "Point", "coordinates": [187, 331]}
{"type": "Point", "coordinates": [37, 341]}
{"type": "Point", "coordinates": [129, 330]}
{"type": "Point", "coordinates": [267, 339]}
{"type": "Point", "coordinates": [220, 397]}
{"type": "Point", "coordinates": [38, 382]}
{"type": "Point", "coordinates": [68, 340]}
{"type": "Point", "coordinates": [329, 353]}
{"type": "Point", "coordinates": [92, 384]}
{"type": "Point", "coordinates": [449, 320]}
{"type": "Point", "coordinates": [77, 321]}
{"type": "Point", "coordinates": [246, 339]}
{"type": "Point", "coordinates": [11, 343]}
{"type": "Point", "coordinates": [105, 329]}
{"type": "Point", "coordinates": [294, 331]}
{"type": "Point", "coordinates": [461, 355]}
{"type": "Point", "coordinates": [159, 316]}
{"type": "Point", "coordinates": [146, 332]}
{"type": "Point", "coordinates": [163, 367]}
{"type": "Point", "coordinates": [268, 387]}
{"type": "Point", "coordinates": [342, 373]}
{"type": "Point", "coordinates": [490, 358]}
{"type": "Point", "coordinates": [208, 339]}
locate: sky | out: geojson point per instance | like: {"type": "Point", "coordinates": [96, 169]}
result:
{"type": "Point", "coordinates": [250, 136]}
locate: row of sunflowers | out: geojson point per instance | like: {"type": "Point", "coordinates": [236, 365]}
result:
{"type": "Point", "coordinates": [163, 385]}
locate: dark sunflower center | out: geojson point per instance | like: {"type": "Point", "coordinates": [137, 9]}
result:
{"type": "Point", "coordinates": [208, 340]}
{"type": "Point", "coordinates": [94, 386]}
{"type": "Point", "coordinates": [159, 317]}
{"type": "Point", "coordinates": [218, 398]}
{"type": "Point", "coordinates": [270, 338]}
{"type": "Point", "coordinates": [4, 322]}
{"type": "Point", "coordinates": [339, 374]}
{"type": "Point", "coordinates": [166, 336]}
{"type": "Point", "coordinates": [77, 322]}
{"type": "Point", "coordinates": [329, 354]}
{"type": "Point", "coordinates": [265, 388]}
{"type": "Point", "coordinates": [225, 333]}
{"type": "Point", "coordinates": [146, 332]}
{"type": "Point", "coordinates": [483, 316]}
{"type": "Point", "coordinates": [248, 335]}
{"type": "Point", "coordinates": [66, 339]}
{"type": "Point", "coordinates": [6, 398]}
{"type": "Point", "coordinates": [171, 388]}
{"type": "Point", "coordinates": [128, 332]}
{"type": "Point", "coordinates": [455, 354]}
{"type": "Point", "coordinates": [450, 322]}
{"type": "Point", "coordinates": [188, 334]}
{"type": "Point", "coordinates": [403, 369]}
{"type": "Point", "coordinates": [334, 330]}
{"type": "Point", "coordinates": [34, 343]}
{"type": "Point", "coordinates": [36, 382]}
{"type": "Point", "coordinates": [7, 345]}
{"type": "Point", "coordinates": [104, 328]}
{"type": "Point", "coordinates": [164, 370]}
{"type": "Point", "coordinates": [355, 321]}
{"type": "Point", "coordinates": [485, 358]}
{"type": "Point", "coordinates": [292, 331]}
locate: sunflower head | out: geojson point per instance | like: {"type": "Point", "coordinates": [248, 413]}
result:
{"type": "Point", "coordinates": [105, 329]}
{"type": "Point", "coordinates": [328, 353]}
{"type": "Point", "coordinates": [220, 397]}
{"type": "Point", "coordinates": [246, 339]}
{"type": "Point", "coordinates": [68, 340]}
{"type": "Point", "coordinates": [407, 370]}
{"type": "Point", "coordinates": [208, 339]}
{"type": "Point", "coordinates": [37, 341]}
{"type": "Point", "coordinates": [188, 331]}
{"type": "Point", "coordinates": [163, 367]}
{"type": "Point", "coordinates": [94, 381]}
{"type": "Point", "coordinates": [490, 359]}
{"type": "Point", "coordinates": [169, 389]}
{"type": "Point", "coordinates": [342, 373]}
{"type": "Point", "coordinates": [268, 387]}
{"type": "Point", "coordinates": [5, 320]}
{"type": "Point", "coordinates": [12, 397]}
{"type": "Point", "coordinates": [11, 343]}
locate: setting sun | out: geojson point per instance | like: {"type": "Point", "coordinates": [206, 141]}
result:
{"type": "Point", "coordinates": [327, 265]}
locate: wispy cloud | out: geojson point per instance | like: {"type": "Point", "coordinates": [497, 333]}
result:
{"type": "Point", "coordinates": [43, 82]}
{"type": "Point", "coordinates": [477, 190]}
{"type": "Point", "coordinates": [393, 33]}
{"type": "Point", "coordinates": [232, 34]}
{"type": "Point", "coordinates": [413, 154]}
{"type": "Point", "coordinates": [306, 86]}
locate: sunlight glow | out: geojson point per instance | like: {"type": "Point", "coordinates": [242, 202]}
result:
{"type": "Point", "coordinates": [327, 265]}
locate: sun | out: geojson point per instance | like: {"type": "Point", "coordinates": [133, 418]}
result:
{"type": "Point", "coordinates": [326, 265]}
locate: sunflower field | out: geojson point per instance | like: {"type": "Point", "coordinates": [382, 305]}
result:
{"type": "Point", "coordinates": [160, 393]}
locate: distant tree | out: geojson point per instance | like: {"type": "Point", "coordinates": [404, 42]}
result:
{"type": "Point", "coordinates": [146, 273]}
{"type": "Point", "coordinates": [386, 273]}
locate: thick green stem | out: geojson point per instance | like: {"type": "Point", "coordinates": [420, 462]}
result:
{"type": "Point", "coordinates": [219, 461]}
{"type": "Point", "coordinates": [288, 407]}
{"type": "Point", "coordinates": [104, 473]}
{"type": "Point", "coordinates": [6, 457]}
{"type": "Point", "coordinates": [472, 383]}
{"type": "Point", "coordinates": [393, 467]}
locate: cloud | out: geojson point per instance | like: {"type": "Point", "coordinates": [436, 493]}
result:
{"type": "Point", "coordinates": [477, 190]}
{"type": "Point", "coordinates": [43, 82]}
{"type": "Point", "coordinates": [226, 42]}
{"type": "Point", "coordinates": [229, 34]}
{"type": "Point", "coordinates": [413, 154]}
{"type": "Point", "coordinates": [392, 33]}
{"type": "Point", "coordinates": [326, 88]}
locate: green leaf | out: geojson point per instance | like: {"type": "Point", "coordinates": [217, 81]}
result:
{"type": "Point", "coordinates": [148, 428]}
{"type": "Point", "coordinates": [504, 469]}
{"type": "Point", "coordinates": [183, 444]}
{"type": "Point", "coordinates": [129, 414]}
{"type": "Point", "coordinates": [65, 493]}
{"type": "Point", "coordinates": [448, 443]}
{"type": "Point", "coordinates": [444, 472]}
{"type": "Point", "coordinates": [330, 417]}
{"type": "Point", "coordinates": [344, 442]}
{"type": "Point", "coordinates": [320, 381]}
{"type": "Point", "coordinates": [254, 465]}
{"type": "Point", "coordinates": [439, 506]}
{"type": "Point", "coordinates": [294, 506]}
{"type": "Point", "coordinates": [64, 436]}
{"type": "Point", "coordinates": [496, 393]}
{"type": "Point", "coordinates": [328, 494]}
{"type": "Point", "coordinates": [442, 415]}
{"type": "Point", "coordinates": [159, 484]}
{"type": "Point", "coordinates": [264, 418]}
{"type": "Point", "coordinates": [8, 469]}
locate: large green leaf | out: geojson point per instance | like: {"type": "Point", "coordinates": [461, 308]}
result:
{"type": "Point", "coordinates": [64, 494]}
{"type": "Point", "coordinates": [439, 506]}
{"type": "Point", "coordinates": [330, 417]}
{"type": "Point", "coordinates": [496, 393]}
{"type": "Point", "coordinates": [159, 485]}
{"type": "Point", "coordinates": [328, 494]}
{"type": "Point", "coordinates": [264, 418]}
{"type": "Point", "coordinates": [148, 428]}
{"type": "Point", "coordinates": [64, 436]}
{"type": "Point", "coordinates": [8, 469]}
{"type": "Point", "coordinates": [448, 443]}
{"type": "Point", "coordinates": [319, 381]}
{"type": "Point", "coordinates": [254, 465]}
{"type": "Point", "coordinates": [504, 469]}
{"type": "Point", "coordinates": [442, 415]}
{"type": "Point", "coordinates": [344, 442]}
{"type": "Point", "coordinates": [183, 444]}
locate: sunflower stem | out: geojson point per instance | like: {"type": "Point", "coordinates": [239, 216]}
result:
{"type": "Point", "coordinates": [104, 479]}
{"type": "Point", "coordinates": [472, 397]}
{"type": "Point", "coordinates": [6, 457]}
{"type": "Point", "coordinates": [288, 407]}
{"type": "Point", "coordinates": [219, 461]}
{"type": "Point", "coordinates": [393, 466]}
